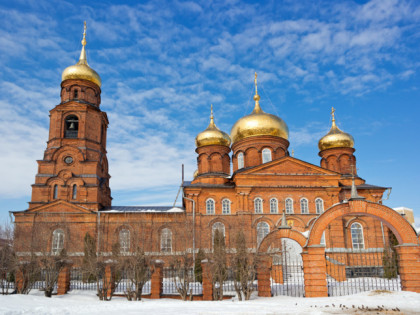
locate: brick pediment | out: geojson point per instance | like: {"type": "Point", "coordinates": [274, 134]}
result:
{"type": "Point", "coordinates": [60, 206]}
{"type": "Point", "coordinates": [286, 166]}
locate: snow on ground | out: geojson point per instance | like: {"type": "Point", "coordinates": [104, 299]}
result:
{"type": "Point", "coordinates": [83, 302]}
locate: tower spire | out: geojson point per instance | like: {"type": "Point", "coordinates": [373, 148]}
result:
{"type": "Point", "coordinates": [257, 108]}
{"type": "Point", "coordinates": [82, 58]}
{"type": "Point", "coordinates": [211, 117]}
{"type": "Point", "coordinates": [333, 117]}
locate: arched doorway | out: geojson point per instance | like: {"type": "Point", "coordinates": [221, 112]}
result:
{"type": "Point", "coordinates": [281, 269]}
{"type": "Point", "coordinates": [359, 267]}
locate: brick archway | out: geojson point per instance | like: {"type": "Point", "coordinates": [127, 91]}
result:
{"type": "Point", "coordinates": [403, 231]}
{"type": "Point", "coordinates": [408, 250]}
{"type": "Point", "coordinates": [281, 233]}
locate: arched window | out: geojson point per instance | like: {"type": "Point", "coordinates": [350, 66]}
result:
{"type": "Point", "coordinates": [55, 192]}
{"type": "Point", "coordinates": [289, 205]}
{"type": "Point", "coordinates": [166, 241]}
{"type": "Point", "coordinates": [304, 205]}
{"type": "Point", "coordinates": [258, 205]}
{"type": "Point", "coordinates": [240, 160]}
{"type": "Point", "coordinates": [266, 155]}
{"type": "Point", "coordinates": [357, 236]}
{"type": "Point", "coordinates": [57, 244]}
{"type": "Point", "coordinates": [262, 230]}
{"type": "Point", "coordinates": [219, 227]}
{"type": "Point", "coordinates": [226, 206]}
{"type": "Point", "coordinates": [210, 206]}
{"type": "Point", "coordinates": [323, 239]}
{"type": "Point", "coordinates": [124, 240]}
{"type": "Point", "coordinates": [71, 127]}
{"type": "Point", "coordinates": [274, 205]}
{"type": "Point", "coordinates": [74, 192]}
{"type": "Point", "coordinates": [319, 204]}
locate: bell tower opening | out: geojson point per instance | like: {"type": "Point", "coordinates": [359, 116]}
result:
{"type": "Point", "coordinates": [71, 127]}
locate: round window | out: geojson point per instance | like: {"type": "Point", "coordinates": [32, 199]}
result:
{"type": "Point", "coordinates": [68, 159]}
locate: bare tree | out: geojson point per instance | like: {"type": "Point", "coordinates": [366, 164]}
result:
{"type": "Point", "coordinates": [218, 265]}
{"type": "Point", "coordinates": [182, 267]}
{"type": "Point", "coordinates": [136, 266]}
{"type": "Point", "coordinates": [244, 267]}
{"type": "Point", "coordinates": [7, 259]}
{"type": "Point", "coordinates": [95, 266]}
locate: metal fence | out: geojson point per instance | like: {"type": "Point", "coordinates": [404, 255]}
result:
{"type": "Point", "coordinates": [357, 271]}
{"type": "Point", "coordinates": [80, 280]}
{"type": "Point", "coordinates": [287, 277]}
{"type": "Point", "coordinates": [125, 284]}
{"type": "Point", "coordinates": [174, 278]}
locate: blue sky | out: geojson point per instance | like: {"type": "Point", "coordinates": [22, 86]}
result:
{"type": "Point", "coordinates": [163, 63]}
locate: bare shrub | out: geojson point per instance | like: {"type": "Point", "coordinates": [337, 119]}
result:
{"type": "Point", "coordinates": [183, 276]}
{"type": "Point", "coordinates": [244, 267]}
{"type": "Point", "coordinates": [218, 264]}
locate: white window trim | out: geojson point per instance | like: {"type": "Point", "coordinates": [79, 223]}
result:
{"type": "Point", "coordinates": [165, 245]}
{"type": "Point", "coordinates": [265, 227]}
{"type": "Point", "coordinates": [285, 206]}
{"type": "Point", "coordinates": [277, 206]}
{"type": "Point", "coordinates": [224, 201]}
{"type": "Point", "coordinates": [269, 158]}
{"type": "Point", "coordinates": [322, 205]}
{"type": "Point", "coordinates": [214, 206]}
{"type": "Point", "coordinates": [124, 240]}
{"type": "Point", "coordinates": [307, 206]}
{"type": "Point", "coordinates": [255, 203]}
{"type": "Point", "coordinates": [359, 245]}
{"type": "Point", "coordinates": [57, 244]}
{"type": "Point", "coordinates": [241, 160]}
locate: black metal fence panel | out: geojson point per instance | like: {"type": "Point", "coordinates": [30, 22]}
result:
{"type": "Point", "coordinates": [125, 283]}
{"type": "Point", "coordinates": [354, 271]}
{"type": "Point", "coordinates": [80, 280]}
{"type": "Point", "coordinates": [287, 270]}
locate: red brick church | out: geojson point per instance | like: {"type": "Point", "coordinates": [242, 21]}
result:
{"type": "Point", "coordinates": [247, 181]}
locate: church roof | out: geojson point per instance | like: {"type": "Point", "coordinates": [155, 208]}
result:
{"type": "Point", "coordinates": [227, 185]}
{"type": "Point", "coordinates": [142, 209]}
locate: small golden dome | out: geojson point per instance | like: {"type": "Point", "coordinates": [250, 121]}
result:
{"type": "Point", "coordinates": [335, 138]}
{"type": "Point", "coordinates": [195, 174]}
{"type": "Point", "coordinates": [81, 70]}
{"type": "Point", "coordinates": [212, 135]}
{"type": "Point", "coordinates": [259, 123]}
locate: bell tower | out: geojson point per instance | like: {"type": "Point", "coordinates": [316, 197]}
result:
{"type": "Point", "coordinates": [75, 165]}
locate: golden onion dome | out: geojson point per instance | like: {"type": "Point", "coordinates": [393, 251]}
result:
{"type": "Point", "coordinates": [81, 70]}
{"type": "Point", "coordinates": [259, 123]}
{"type": "Point", "coordinates": [335, 138]}
{"type": "Point", "coordinates": [212, 135]}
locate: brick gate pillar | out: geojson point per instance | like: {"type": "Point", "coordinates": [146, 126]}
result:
{"type": "Point", "coordinates": [19, 279]}
{"type": "Point", "coordinates": [207, 281]}
{"type": "Point", "coordinates": [156, 280]}
{"type": "Point", "coordinates": [109, 280]}
{"type": "Point", "coordinates": [315, 271]}
{"type": "Point", "coordinates": [409, 267]}
{"type": "Point", "coordinates": [63, 283]}
{"type": "Point", "coordinates": [263, 276]}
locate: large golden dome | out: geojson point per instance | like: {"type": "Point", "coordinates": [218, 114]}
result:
{"type": "Point", "coordinates": [335, 138]}
{"type": "Point", "coordinates": [212, 135]}
{"type": "Point", "coordinates": [259, 123]}
{"type": "Point", "coordinates": [81, 70]}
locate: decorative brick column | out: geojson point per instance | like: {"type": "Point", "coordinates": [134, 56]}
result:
{"type": "Point", "coordinates": [409, 267]}
{"type": "Point", "coordinates": [315, 271]}
{"type": "Point", "coordinates": [263, 276]}
{"type": "Point", "coordinates": [156, 280]}
{"type": "Point", "coordinates": [207, 281]}
{"type": "Point", "coordinates": [109, 279]}
{"type": "Point", "coordinates": [63, 283]}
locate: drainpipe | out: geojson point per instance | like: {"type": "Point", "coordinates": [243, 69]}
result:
{"type": "Point", "coordinates": [193, 236]}
{"type": "Point", "coordinates": [98, 233]}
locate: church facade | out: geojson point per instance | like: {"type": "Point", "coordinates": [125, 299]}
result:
{"type": "Point", "coordinates": [246, 181]}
